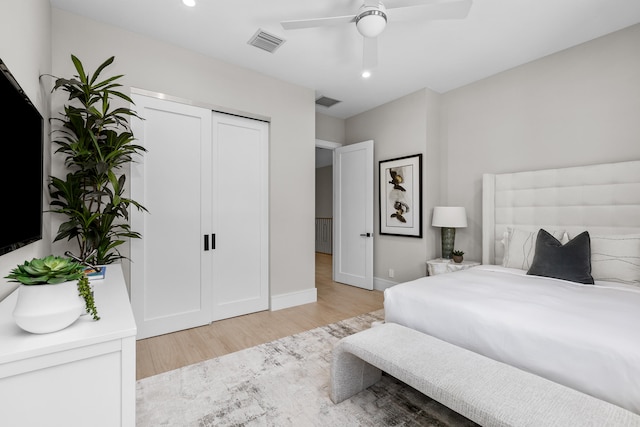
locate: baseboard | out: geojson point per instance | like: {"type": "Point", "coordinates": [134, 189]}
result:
{"type": "Point", "coordinates": [278, 302]}
{"type": "Point", "coordinates": [382, 284]}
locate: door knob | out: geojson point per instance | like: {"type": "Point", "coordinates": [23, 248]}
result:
{"type": "Point", "coordinates": [366, 235]}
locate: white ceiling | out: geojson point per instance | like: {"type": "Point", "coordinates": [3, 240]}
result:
{"type": "Point", "coordinates": [440, 55]}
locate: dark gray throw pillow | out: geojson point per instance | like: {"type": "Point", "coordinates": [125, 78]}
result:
{"type": "Point", "coordinates": [571, 261]}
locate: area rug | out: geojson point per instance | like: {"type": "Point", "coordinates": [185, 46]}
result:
{"type": "Point", "coordinates": [283, 383]}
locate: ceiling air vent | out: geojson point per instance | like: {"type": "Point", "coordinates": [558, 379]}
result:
{"type": "Point", "coordinates": [326, 102]}
{"type": "Point", "coordinates": [265, 41]}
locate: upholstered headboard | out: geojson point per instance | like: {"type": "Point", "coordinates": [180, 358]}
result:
{"type": "Point", "coordinates": [603, 199]}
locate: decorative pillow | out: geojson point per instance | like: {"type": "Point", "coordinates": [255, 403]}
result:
{"type": "Point", "coordinates": [520, 245]}
{"type": "Point", "coordinates": [616, 258]}
{"type": "Point", "coordinates": [571, 261]}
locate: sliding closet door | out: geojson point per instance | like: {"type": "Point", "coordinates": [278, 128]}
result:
{"type": "Point", "coordinates": [171, 270]}
{"type": "Point", "coordinates": [240, 215]}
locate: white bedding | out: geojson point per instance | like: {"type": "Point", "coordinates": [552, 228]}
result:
{"type": "Point", "coordinates": [586, 337]}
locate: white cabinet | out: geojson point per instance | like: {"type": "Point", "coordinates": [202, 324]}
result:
{"type": "Point", "coordinates": [82, 375]}
{"type": "Point", "coordinates": [203, 255]}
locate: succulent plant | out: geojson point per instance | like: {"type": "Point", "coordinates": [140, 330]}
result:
{"type": "Point", "coordinates": [52, 270]}
{"type": "Point", "coordinates": [457, 253]}
{"type": "Point", "coordinates": [48, 270]}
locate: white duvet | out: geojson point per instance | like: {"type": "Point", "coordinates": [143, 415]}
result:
{"type": "Point", "coordinates": [586, 337]}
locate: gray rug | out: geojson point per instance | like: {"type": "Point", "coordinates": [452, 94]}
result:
{"type": "Point", "coordinates": [283, 383]}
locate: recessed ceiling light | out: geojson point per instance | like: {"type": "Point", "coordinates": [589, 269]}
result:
{"type": "Point", "coordinates": [190, 3]}
{"type": "Point", "coordinates": [366, 74]}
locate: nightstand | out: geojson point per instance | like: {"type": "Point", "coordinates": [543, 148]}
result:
{"type": "Point", "coordinates": [441, 265]}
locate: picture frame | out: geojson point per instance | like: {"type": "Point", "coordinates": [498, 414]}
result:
{"type": "Point", "coordinates": [400, 197]}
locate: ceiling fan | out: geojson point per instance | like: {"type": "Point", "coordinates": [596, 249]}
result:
{"type": "Point", "coordinates": [372, 17]}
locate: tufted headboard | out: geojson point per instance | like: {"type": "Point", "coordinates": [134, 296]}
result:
{"type": "Point", "coordinates": [603, 199]}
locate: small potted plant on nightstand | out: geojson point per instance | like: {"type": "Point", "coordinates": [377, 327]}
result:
{"type": "Point", "coordinates": [457, 256]}
{"type": "Point", "coordinates": [54, 292]}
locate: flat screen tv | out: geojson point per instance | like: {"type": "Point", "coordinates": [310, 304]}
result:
{"type": "Point", "coordinates": [21, 157]}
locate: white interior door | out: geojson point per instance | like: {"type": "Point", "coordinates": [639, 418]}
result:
{"type": "Point", "coordinates": [353, 214]}
{"type": "Point", "coordinates": [170, 271]}
{"type": "Point", "coordinates": [240, 216]}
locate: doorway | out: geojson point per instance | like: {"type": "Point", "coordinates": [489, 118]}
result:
{"type": "Point", "coordinates": [344, 205]}
{"type": "Point", "coordinates": [324, 207]}
{"type": "Point", "coordinates": [324, 201]}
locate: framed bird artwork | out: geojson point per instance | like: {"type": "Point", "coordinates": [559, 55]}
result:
{"type": "Point", "coordinates": [401, 196]}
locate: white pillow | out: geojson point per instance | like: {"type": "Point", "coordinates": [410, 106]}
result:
{"type": "Point", "coordinates": [616, 258]}
{"type": "Point", "coordinates": [520, 246]}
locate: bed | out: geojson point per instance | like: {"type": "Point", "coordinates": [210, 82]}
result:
{"type": "Point", "coordinates": [581, 335]}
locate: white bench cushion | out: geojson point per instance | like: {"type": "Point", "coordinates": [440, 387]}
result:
{"type": "Point", "coordinates": [488, 392]}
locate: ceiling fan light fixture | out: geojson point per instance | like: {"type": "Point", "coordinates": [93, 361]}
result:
{"type": "Point", "coordinates": [371, 22]}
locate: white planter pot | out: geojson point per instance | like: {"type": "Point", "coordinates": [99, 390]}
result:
{"type": "Point", "coordinates": [41, 309]}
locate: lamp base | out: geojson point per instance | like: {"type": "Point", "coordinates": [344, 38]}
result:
{"type": "Point", "coordinates": [448, 238]}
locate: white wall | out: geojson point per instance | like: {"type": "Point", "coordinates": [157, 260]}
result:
{"type": "Point", "coordinates": [327, 129]}
{"type": "Point", "coordinates": [156, 66]}
{"type": "Point", "coordinates": [330, 128]}
{"type": "Point", "coordinates": [403, 127]}
{"type": "Point", "coordinates": [433, 172]}
{"type": "Point", "coordinates": [25, 31]}
{"type": "Point", "coordinates": [579, 106]}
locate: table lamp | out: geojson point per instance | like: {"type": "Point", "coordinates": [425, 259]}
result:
{"type": "Point", "coordinates": [449, 218]}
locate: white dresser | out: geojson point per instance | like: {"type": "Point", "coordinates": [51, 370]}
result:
{"type": "Point", "coordinates": [83, 375]}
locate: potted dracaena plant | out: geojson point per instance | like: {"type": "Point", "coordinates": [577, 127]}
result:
{"type": "Point", "coordinates": [96, 141]}
{"type": "Point", "coordinates": [53, 293]}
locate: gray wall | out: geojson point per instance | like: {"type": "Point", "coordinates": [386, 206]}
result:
{"type": "Point", "coordinates": [25, 31]}
{"type": "Point", "coordinates": [160, 67]}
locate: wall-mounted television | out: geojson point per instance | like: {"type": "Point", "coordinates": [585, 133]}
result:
{"type": "Point", "coordinates": [21, 163]}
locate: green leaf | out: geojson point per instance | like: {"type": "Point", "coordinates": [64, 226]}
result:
{"type": "Point", "coordinates": [94, 140]}
{"type": "Point", "coordinates": [79, 68]}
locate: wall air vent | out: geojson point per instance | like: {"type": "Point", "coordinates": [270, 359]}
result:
{"type": "Point", "coordinates": [265, 41]}
{"type": "Point", "coordinates": [326, 102]}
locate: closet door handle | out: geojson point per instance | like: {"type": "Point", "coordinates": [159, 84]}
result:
{"type": "Point", "coordinates": [213, 241]}
{"type": "Point", "coordinates": [206, 242]}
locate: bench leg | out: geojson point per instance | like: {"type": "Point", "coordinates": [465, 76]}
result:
{"type": "Point", "coordinates": [350, 374]}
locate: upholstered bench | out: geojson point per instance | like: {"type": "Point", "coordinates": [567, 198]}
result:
{"type": "Point", "coordinates": [488, 392]}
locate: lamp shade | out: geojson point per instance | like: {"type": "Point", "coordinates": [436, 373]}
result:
{"type": "Point", "coordinates": [449, 216]}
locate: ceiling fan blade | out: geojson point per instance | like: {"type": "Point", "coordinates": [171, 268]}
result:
{"type": "Point", "coordinates": [369, 53]}
{"type": "Point", "coordinates": [431, 11]}
{"type": "Point", "coordinates": [318, 22]}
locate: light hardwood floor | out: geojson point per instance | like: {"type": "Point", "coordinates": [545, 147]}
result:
{"type": "Point", "coordinates": [335, 302]}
